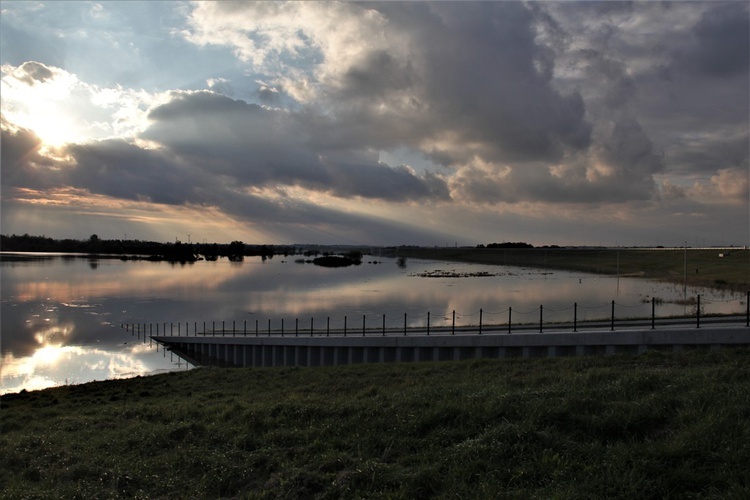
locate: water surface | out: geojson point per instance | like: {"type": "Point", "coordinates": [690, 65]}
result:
{"type": "Point", "coordinates": [62, 316]}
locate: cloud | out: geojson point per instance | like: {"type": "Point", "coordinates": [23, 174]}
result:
{"type": "Point", "coordinates": [719, 44]}
{"type": "Point", "coordinates": [60, 108]}
{"type": "Point", "coordinates": [732, 185]}
{"type": "Point", "coordinates": [498, 106]}
{"type": "Point", "coordinates": [32, 72]}
{"type": "Point", "coordinates": [258, 147]}
{"type": "Point", "coordinates": [394, 75]}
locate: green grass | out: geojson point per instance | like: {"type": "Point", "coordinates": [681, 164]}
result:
{"type": "Point", "coordinates": [659, 425]}
{"type": "Point", "coordinates": [696, 267]}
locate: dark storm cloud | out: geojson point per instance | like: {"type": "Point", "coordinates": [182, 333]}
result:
{"type": "Point", "coordinates": [624, 145]}
{"type": "Point", "coordinates": [252, 144]}
{"type": "Point", "coordinates": [378, 74]}
{"type": "Point", "coordinates": [474, 71]}
{"type": "Point", "coordinates": [574, 183]}
{"type": "Point", "coordinates": [696, 101]}
{"type": "Point", "coordinates": [22, 165]}
{"type": "Point", "coordinates": [122, 170]}
{"type": "Point", "coordinates": [491, 79]}
{"type": "Point", "coordinates": [719, 44]}
{"type": "Point", "coordinates": [261, 147]}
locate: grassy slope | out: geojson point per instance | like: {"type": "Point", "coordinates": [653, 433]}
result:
{"type": "Point", "coordinates": [731, 271]}
{"type": "Point", "coordinates": [654, 426]}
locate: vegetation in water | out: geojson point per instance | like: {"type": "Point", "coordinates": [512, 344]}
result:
{"type": "Point", "coordinates": [714, 268]}
{"type": "Point", "coordinates": [659, 425]}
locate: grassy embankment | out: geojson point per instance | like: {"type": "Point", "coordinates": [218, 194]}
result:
{"type": "Point", "coordinates": [659, 425]}
{"type": "Point", "coordinates": [704, 267]}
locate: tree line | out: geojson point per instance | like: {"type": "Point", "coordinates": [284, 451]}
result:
{"type": "Point", "coordinates": [150, 250]}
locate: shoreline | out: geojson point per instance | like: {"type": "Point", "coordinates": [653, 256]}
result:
{"type": "Point", "coordinates": [720, 269]}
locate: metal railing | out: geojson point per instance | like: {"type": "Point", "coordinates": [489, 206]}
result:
{"type": "Point", "coordinates": [473, 323]}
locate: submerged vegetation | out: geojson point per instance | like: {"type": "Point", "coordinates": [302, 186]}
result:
{"type": "Point", "coordinates": [659, 425]}
{"type": "Point", "coordinates": [715, 268]}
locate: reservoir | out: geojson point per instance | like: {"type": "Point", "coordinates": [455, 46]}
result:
{"type": "Point", "coordinates": [63, 315]}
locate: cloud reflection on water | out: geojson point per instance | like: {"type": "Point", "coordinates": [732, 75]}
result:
{"type": "Point", "coordinates": [61, 317]}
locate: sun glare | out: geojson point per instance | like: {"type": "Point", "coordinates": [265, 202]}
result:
{"type": "Point", "coordinates": [54, 131]}
{"type": "Point", "coordinates": [44, 108]}
{"type": "Point", "coordinates": [48, 354]}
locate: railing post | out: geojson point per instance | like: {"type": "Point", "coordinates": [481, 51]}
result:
{"type": "Point", "coordinates": [345, 326]}
{"type": "Point", "coordinates": [575, 316]}
{"type": "Point", "coordinates": [282, 327]}
{"type": "Point", "coordinates": [256, 327]}
{"type": "Point", "coordinates": [233, 329]}
{"type": "Point", "coordinates": [428, 322]}
{"type": "Point", "coordinates": [179, 330]}
{"type": "Point", "coordinates": [244, 327]}
{"type": "Point", "coordinates": [404, 324]}
{"type": "Point", "coordinates": [269, 327]}
{"type": "Point", "coordinates": [480, 322]}
{"type": "Point", "coordinates": [653, 313]}
{"type": "Point", "coordinates": [383, 325]}
{"type": "Point", "coordinates": [612, 321]}
{"type": "Point", "coordinates": [698, 313]}
{"type": "Point", "coordinates": [311, 326]}
{"type": "Point", "coordinates": [541, 318]}
{"type": "Point", "coordinates": [328, 326]}
{"type": "Point", "coordinates": [223, 327]}
{"type": "Point", "coordinates": [510, 312]}
{"type": "Point", "coordinates": [171, 329]}
{"type": "Point", "coordinates": [363, 324]}
{"type": "Point", "coordinates": [213, 328]}
{"type": "Point", "coordinates": [453, 325]}
{"type": "Point", "coordinates": [195, 328]}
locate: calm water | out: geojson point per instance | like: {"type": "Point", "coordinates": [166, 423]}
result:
{"type": "Point", "coordinates": [62, 316]}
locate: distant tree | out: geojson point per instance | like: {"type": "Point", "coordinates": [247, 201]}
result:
{"type": "Point", "coordinates": [518, 244]}
{"type": "Point", "coordinates": [354, 255]}
{"type": "Point", "coordinates": [211, 252]}
{"type": "Point", "coordinates": [236, 251]}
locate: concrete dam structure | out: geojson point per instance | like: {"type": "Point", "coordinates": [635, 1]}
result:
{"type": "Point", "coordinates": [271, 351]}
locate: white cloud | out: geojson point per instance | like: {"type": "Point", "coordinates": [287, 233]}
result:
{"type": "Point", "coordinates": [60, 108]}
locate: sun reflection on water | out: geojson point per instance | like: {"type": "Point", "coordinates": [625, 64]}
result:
{"type": "Point", "coordinates": [53, 365]}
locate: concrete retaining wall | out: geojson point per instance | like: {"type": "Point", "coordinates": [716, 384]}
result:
{"type": "Point", "coordinates": [328, 351]}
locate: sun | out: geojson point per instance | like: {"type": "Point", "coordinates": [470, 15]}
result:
{"type": "Point", "coordinates": [47, 108]}
{"type": "Point", "coordinates": [54, 130]}
{"type": "Point", "coordinates": [51, 122]}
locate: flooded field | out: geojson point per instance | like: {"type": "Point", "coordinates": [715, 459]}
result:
{"type": "Point", "coordinates": [62, 315]}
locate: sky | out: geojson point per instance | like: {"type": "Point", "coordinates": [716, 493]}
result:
{"type": "Point", "coordinates": [383, 123]}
